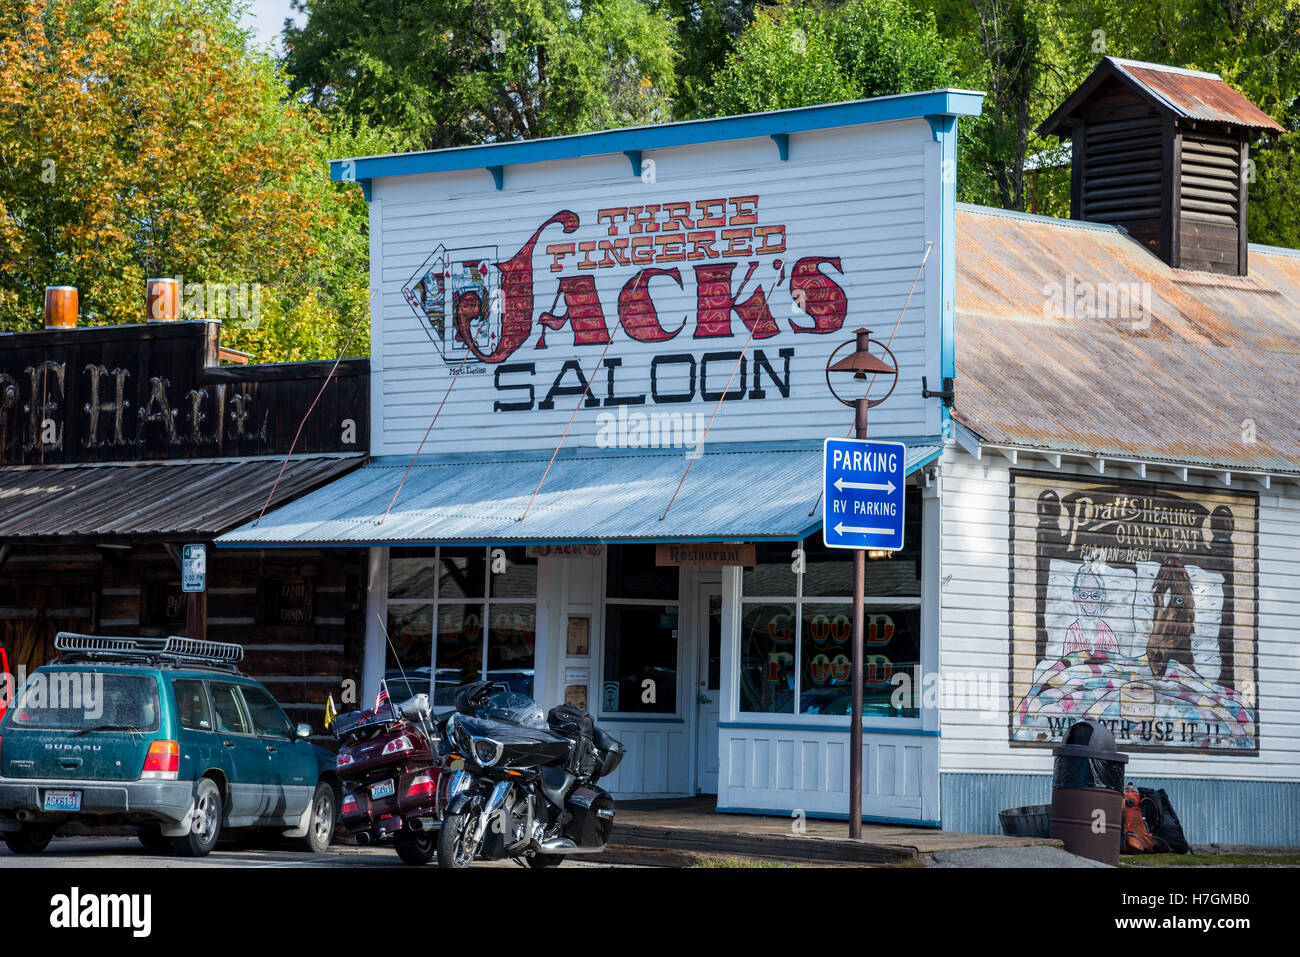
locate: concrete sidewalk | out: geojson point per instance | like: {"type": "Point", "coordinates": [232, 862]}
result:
{"type": "Point", "coordinates": [682, 831]}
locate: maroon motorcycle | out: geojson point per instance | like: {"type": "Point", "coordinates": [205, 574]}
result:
{"type": "Point", "coordinates": [391, 766]}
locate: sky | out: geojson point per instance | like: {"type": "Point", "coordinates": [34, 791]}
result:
{"type": "Point", "coordinates": [266, 18]}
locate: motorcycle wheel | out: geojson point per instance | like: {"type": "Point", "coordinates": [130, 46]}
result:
{"type": "Point", "coordinates": [546, 860]}
{"type": "Point", "coordinates": [453, 849]}
{"type": "Point", "coordinates": [415, 849]}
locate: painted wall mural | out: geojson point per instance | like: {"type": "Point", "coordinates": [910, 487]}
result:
{"type": "Point", "coordinates": [1135, 604]}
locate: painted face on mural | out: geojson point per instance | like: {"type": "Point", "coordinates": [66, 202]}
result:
{"type": "Point", "coordinates": [1089, 594]}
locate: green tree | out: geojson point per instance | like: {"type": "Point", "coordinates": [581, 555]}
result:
{"type": "Point", "coordinates": [707, 31]}
{"type": "Point", "coordinates": [456, 72]}
{"type": "Point", "coordinates": [803, 54]}
{"type": "Point", "coordinates": [140, 138]}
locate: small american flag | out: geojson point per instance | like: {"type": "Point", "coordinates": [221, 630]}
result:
{"type": "Point", "coordinates": [381, 698]}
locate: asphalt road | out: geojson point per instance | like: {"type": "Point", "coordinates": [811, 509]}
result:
{"type": "Point", "coordinates": [82, 852]}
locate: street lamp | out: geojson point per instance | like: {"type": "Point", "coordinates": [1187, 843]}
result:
{"type": "Point", "coordinates": [860, 362]}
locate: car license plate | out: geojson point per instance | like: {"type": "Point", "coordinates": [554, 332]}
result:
{"type": "Point", "coordinates": [62, 801]}
{"type": "Point", "coordinates": [382, 790]}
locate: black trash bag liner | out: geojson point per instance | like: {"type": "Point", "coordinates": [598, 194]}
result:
{"type": "Point", "coordinates": [1078, 772]}
{"type": "Point", "coordinates": [1162, 821]}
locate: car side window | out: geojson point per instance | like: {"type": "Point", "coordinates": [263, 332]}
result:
{"type": "Point", "coordinates": [229, 712]}
{"type": "Point", "coordinates": [268, 720]}
{"type": "Point", "coordinates": [192, 704]}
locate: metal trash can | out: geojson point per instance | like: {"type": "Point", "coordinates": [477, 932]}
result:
{"type": "Point", "coordinates": [1088, 792]}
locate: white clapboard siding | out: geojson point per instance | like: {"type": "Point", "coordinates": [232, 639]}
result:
{"type": "Point", "coordinates": [808, 770]}
{"type": "Point", "coordinates": [975, 630]}
{"type": "Point", "coordinates": [868, 195]}
{"type": "Point", "coordinates": [657, 762]}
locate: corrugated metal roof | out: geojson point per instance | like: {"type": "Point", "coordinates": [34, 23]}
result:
{"type": "Point", "coordinates": [1196, 95]}
{"type": "Point", "coordinates": [734, 492]}
{"type": "Point", "coordinates": [1184, 94]}
{"type": "Point", "coordinates": [195, 499]}
{"type": "Point", "coordinates": [1216, 364]}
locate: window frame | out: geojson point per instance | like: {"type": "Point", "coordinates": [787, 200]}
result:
{"type": "Point", "coordinates": [207, 700]}
{"type": "Point", "coordinates": [436, 602]}
{"type": "Point", "coordinates": [288, 726]}
{"type": "Point", "coordinates": [797, 603]}
{"type": "Point", "coordinates": [239, 703]}
{"type": "Point", "coordinates": [679, 711]}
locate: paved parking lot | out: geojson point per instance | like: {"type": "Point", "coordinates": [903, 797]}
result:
{"type": "Point", "coordinates": [82, 852]}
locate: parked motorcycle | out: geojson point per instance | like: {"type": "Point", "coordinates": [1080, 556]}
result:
{"type": "Point", "coordinates": [527, 785]}
{"type": "Point", "coordinates": [391, 767]}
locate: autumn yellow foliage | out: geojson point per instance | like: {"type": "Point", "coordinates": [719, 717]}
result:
{"type": "Point", "coordinates": [142, 138]}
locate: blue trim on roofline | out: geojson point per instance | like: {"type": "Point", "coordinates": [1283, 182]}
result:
{"type": "Point", "coordinates": [1273, 250]}
{"type": "Point", "coordinates": [883, 109]}
{"type": "Point", "coordinates": [944, 129]}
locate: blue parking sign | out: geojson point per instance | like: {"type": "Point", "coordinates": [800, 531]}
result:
{"type": "Point", "coordinates": [862, 493]}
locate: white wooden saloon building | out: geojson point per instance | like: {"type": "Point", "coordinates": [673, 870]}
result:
{"type": "Point", "coordinates": [589, 519]}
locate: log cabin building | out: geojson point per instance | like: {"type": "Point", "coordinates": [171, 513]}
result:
{"type": "Point", "coordinates": [119, 445]}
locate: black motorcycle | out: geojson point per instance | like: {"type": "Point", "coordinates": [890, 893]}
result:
{"type": "Point", "coordinates": [526, 788]}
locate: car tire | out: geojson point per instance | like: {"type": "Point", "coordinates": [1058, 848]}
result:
{"type": "Point", "coordinates": [206, 827]}
{"type": "Point", "coordinates": [32, 839]}
{"type": "Point", "coordinates": [151, 836]}
{"type": "Point", "coordinates": [320, 822]}
{"type": "Point", "coordinates": [452, 852]}
{"type": "Point", "coordinates": [545, 860]}
{"type": "Point", "coordinates": [415, 848]}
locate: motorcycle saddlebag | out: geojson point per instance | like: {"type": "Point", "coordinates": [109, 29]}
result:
{"type": "Point", "coordinates": [593, 817]}
{"type": "Point", "coordinates": [578, 726]}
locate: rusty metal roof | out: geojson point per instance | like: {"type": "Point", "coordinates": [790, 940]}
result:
{"type": "Point", "coordinates": [1186, 94]}
{"type": "Point", "coordinates": [159, 500]}
{"type": "Point", "coordinates": [1207, 374]}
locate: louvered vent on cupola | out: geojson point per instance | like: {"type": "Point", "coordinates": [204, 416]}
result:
{"type": "Point", "coordinates": [1163, 152]}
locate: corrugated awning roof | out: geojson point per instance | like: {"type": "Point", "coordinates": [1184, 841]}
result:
{"type": "Point", "coordinates": [734, 492]}
{"type": "Point", "coordinates": [1073, 337]}
{"type": "Point", "coordinates": [172, 500]}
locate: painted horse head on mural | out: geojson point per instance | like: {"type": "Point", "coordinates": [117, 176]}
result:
{"type": "Point", "coordinates": [1173, 620]}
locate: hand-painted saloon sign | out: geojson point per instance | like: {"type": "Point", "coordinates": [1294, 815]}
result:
{"type": "Point", "coordinates": [471, 299]}
{"type": "Point", "coordinates": [640, 300]}
{"type": "Point", "coordinates": [1136, 605]}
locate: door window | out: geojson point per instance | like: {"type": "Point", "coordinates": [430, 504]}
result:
{"type": "Point", "coordinates": [229, 710]}
{"type": "Point", "coordinates": [192, 704]}
{"type": "Point", "coordinates": [268, 720]}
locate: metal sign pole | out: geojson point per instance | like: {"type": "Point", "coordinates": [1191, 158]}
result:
{"type": "Point", "coordinates": [859, 614]}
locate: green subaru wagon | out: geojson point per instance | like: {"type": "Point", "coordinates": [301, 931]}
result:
{"type": "Point", "coordinates": [164, 734]}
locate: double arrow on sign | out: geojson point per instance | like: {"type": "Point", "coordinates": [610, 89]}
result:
{"type": "Point", "coordinates": [841, 485]}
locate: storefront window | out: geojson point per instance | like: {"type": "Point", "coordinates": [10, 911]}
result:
{"type": "Point", "coordinates": [797, 607]}
{"type": "Point", "coordinates": [641, 643]}
{"type": "Point", "coordinates": [484, 603]}
{"type": "Point", "coordinates": [767, 645]}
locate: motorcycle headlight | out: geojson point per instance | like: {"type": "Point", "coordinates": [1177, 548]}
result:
{"type": "Point", "coordinates": [486, 751]}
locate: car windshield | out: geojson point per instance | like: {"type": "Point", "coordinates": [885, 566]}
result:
{"type": "Point", "coordinates": [517, 708]}
{"type": "Point", "coordinates": [88, 701]}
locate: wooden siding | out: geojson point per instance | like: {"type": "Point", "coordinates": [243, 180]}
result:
{"type": "Point", "coordinates": [137, 592]}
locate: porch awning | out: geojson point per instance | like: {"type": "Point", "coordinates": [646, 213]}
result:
{"type": "Point", "coordinates": [168, 500]}
{"type": "Point", "coordinates": [737, 492]}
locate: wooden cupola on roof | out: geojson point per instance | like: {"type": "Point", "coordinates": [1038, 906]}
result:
{"type": "Point", "coordinates": [1163, 153]}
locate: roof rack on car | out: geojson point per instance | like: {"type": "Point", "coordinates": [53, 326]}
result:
{"type": "Point", "coordinates": [175, 648]}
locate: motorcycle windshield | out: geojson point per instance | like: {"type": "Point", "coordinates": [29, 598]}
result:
{"type": "Point", "coordinates": [517, 709]}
